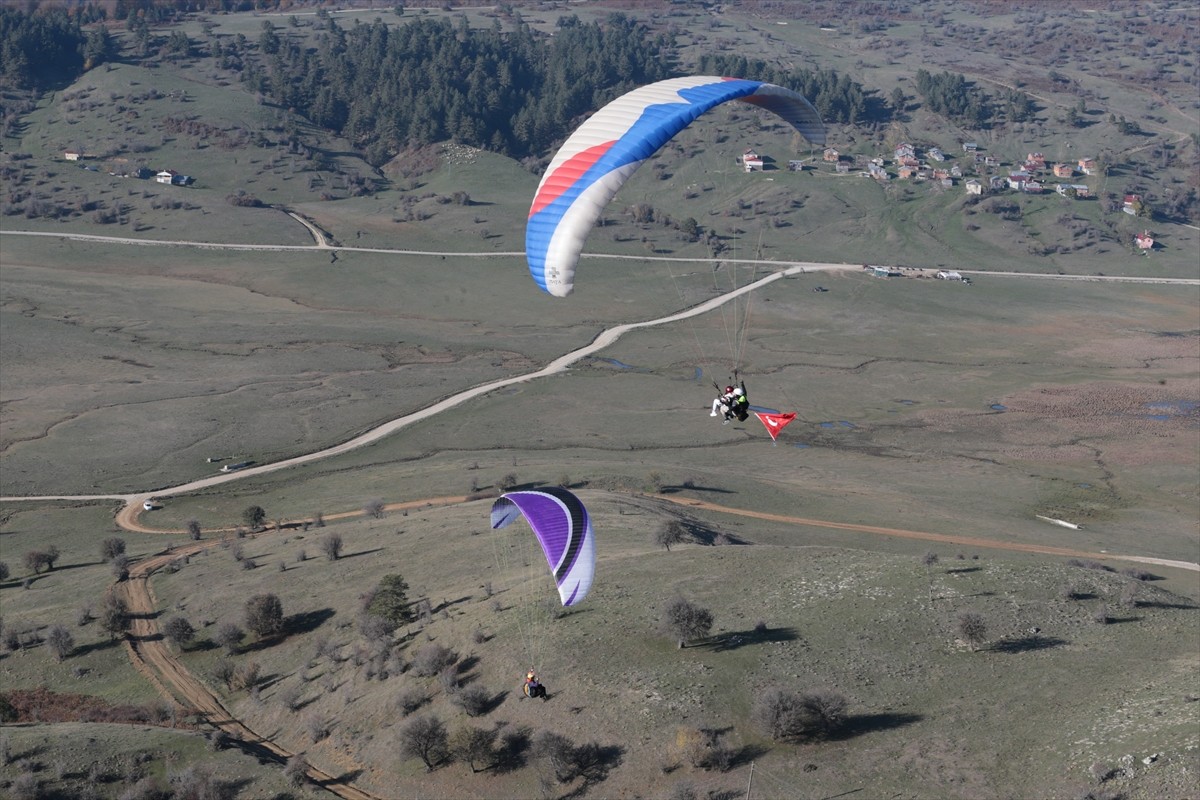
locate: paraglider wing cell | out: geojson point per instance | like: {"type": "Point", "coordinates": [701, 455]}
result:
{"type": "Point", "coordinates": [564, 530]}
{"type": "Point", "coordinates": [609, 147]}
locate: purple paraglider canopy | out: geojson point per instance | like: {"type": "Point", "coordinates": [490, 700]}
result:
{"type": "Point", "coordinates": [563, 528]}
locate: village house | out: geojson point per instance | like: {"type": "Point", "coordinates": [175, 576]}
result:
{"type": "Point", "coordinates": [1144, 240]}
{"type": "Point", "coordinates": [842, 167]}
{"type": "Point", "coordinates": [795, 165]}
{"type": "Point", "coordinates": [940, 174]}
{"type": "Point", "coordinates": [1037, 160]}
{"type": "Point", "coordinates": [1080, 190]}
{"type": "Point", "coordinates": [991, 161]}
{"type": "Point", "coordinates": [877, 172]}
{"type": "Point", "coordinates": [1087, 165]}
{"type": "Point", "coordinates": [955, 171]}
{"type": "Point", "coordinates": [1131, 204]}
{"type": "Point", "coordinates": [906, 172]}
{"type": "Point", "coordinates": [165, 176]}
{"type": "Point", "coordinates": [946, 182]}
{"type": "Point", "coordinates": [969, 147]}
{"type": "Point", "coordinates": [936, 154]}
{"type": "Point", "coordinates": [72, 155]}
{"type": "Point", "coordinates": [1017, 179]}
{"type": "Point", "coordinates": [974, 186]}
{"type": "Point", "coordinates": [1063, 170]}
{"type": "Point", "coordinates": [1032, 187]}
{"type": "Point", "coordinates": [904, 150]}
{"type": "Point", "coordinates": [831, 155]}
{"type": "Point", "coordinates": [752, 161]}
{"type": "Point", "coordinates": [997, 183]}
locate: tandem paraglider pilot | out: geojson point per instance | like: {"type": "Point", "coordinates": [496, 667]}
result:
{"type": "Point", "coordinates": [731, 403]}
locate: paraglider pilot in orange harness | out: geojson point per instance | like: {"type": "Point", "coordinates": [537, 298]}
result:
{"type": "Point", "coordinates": [731, 403]}
{"type": "Point", "coordinates": [533, 687]}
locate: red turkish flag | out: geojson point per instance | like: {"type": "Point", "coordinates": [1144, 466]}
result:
{"type": "Point", "coordinates": [774, 422]}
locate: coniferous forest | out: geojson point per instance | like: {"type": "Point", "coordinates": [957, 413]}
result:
{"type": "Point", "coordinates": [388, 89]}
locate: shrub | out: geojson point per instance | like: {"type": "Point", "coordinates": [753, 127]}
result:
{"type": "Point", "coordinates": [972, 627]}
{"type": "Point", "coordinates": [410, 700]}
{"type": "Point", "coordinates": [475, 700]}
{"type": "Point", "coordinates": [824, 710]}
{"type": "Point", "coordinates": [228, 636]}
{"type": "Point", "coordinates": [389, 600]}
{"type": "Point", "coordinates": [778, 713]}
{"type": "Point", "coordinates": [60, 641]}
{"type": "Point", "coordinates": [254, 516]}
{"type": "Point", "coordinates": [296, 771]}
{"type": "Point", "coordinates": [432, 658]}
{"type": "Point", "coordinates": [331, 546]}
{"type": "Point", "coordinates": [317, 727]}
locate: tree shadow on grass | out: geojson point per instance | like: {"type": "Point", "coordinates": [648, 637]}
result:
{"type": "Point", "coordinates": [92, 647]}
{"type": "Point", "coordinates": [862, 724]}
{"type": "Point", "coordinates": [513, 751]}
{"type": "Point", "coordinates": [963, 570]}
{"type": "Point", "coordinates": [307, 621]}
{"type": "Point", "coordinates": [747, 754]}
{"type": "Point", "coordinates": [738, 639]}
{"type": "Point", "coordinates": [448, 603]}
{"type": "Point", "coordinates": [1161, 604]}
{"type": "Point", "coordinates": [694, 488]}
{"type": "Point", "coordinates": [360, 553]}
{"type": "Point", "coordinates": [1027, 644]}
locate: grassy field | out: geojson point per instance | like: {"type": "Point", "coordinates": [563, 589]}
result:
{"type": "Point", "coordinates": [925, 409]}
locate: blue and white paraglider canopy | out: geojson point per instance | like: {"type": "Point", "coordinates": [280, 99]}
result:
{"type": "Point", "coordinates": [609, 147]}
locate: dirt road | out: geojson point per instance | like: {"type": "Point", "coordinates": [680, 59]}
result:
{"type": "Point", "coordinates": [152, 656]}
{"type": "Point", "coordinates": [969, 541]}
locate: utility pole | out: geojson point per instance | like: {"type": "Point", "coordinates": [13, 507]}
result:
{"type": "Point", "coordinates": [750, 781]}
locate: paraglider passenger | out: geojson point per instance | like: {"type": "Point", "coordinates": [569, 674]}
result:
{"type": "Point", "coordinates": [533, 687]}
{"type": "Point", "coordinates": [723, 402]}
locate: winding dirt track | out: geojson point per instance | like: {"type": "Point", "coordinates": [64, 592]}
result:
{"type": "Point", "coordinates": [969, 541]}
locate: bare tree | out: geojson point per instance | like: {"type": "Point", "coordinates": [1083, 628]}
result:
{"type": "Point", "coordinates": [114, 616]}
{"type": "Point", "coordinates": [264, 615]}
{"type": "Point", "coordinates": [120, 566]}
{"type": "Point", "coordinates": [60, 641]}
{"type": "Point", "coordinates": [672, 532]}
{"type": "Point", "coordinates": [824, 710]}
{"type": "Point", "coordinates": [972, 627]}
{"type": "Point", "coordinates": [507, 482]}
{"type": "Point", "coordinates": [557, 751]}
{"type": "Point", "coordinates": [425, 738]}
{"type": "Point", "coordinates": [684, 621]}
{"type": "Point", "coordinates": [296, 771]}
{"type": "Point", "coordinates": [229, 636]}
{"type": "Point", "coordinates": [331, 546]}
{"type": "Point", "coordinates": [111, 547]}
{"type": "Point", "coordinates": [475, 700]}
{"type": "Point", "coordinates": [178, 631]}
{"type": "Point", "coordinates": [193, 529]}
{"type": "Point", "coordinates": [432, 658]}
{"type": "Point", "coordinates": [476, 746]}
{"type": "Point", "coordinates": [374, 509]}
{"type": "Point", "coordinates": [4, 573]}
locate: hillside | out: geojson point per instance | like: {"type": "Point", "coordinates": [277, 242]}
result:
{"type": "Point", "coordinates": [895, 549]}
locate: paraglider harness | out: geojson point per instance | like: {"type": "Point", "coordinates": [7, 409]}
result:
{"type": "Point", "coordinates": [533, 687]}
{"type": "Point", "coordinates": [736, 406]}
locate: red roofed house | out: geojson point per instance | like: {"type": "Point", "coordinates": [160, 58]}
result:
{"type": "Point", "coordinates": [1036, 158]}
{"type": "Point", "coordinates": [1144, 240]}
{"type": "Point", "coordinates": [1063, 170]}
